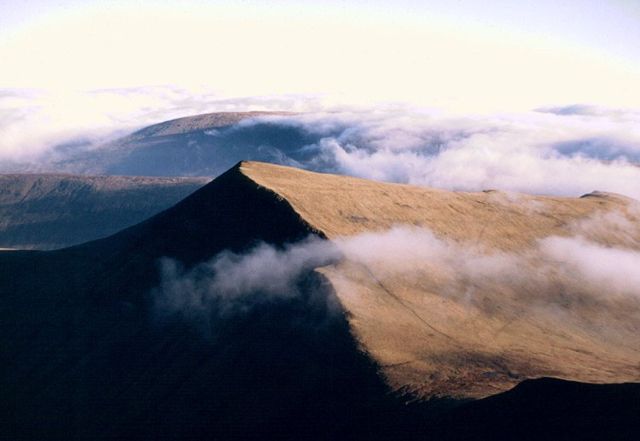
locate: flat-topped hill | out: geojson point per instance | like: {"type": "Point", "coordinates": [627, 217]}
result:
{"type": "Point", "coordinates": [46, 211]}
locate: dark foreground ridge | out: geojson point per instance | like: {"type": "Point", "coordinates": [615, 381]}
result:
{"type": "Point", "coordinates": [84, 356]}
{"type": "Point", "coordinates": [548, 409]}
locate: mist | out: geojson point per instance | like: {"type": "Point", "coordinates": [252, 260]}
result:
{"type": "Point", "coordinates": [555, 274]}
{"type": "Point", "coordinates": [232, 283]}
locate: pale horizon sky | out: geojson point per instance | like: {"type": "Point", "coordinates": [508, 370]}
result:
{"type": "Point", "coordinates": [539, 97]}
{"type": "Point", "coordinates": [465, 55]}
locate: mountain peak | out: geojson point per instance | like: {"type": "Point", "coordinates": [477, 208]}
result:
{"type": "Point", "coordinates": [201, 122]}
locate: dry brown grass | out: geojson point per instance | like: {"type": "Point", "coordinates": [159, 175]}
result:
{"type": "Point", "coordinates": [432, 342]}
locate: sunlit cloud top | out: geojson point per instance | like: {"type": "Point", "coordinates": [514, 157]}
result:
{"type": "Point", "coordinates": [464, 55]}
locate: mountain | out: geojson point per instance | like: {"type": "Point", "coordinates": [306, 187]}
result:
{"type": "Point", "coordinates": [200, 145]}
{"type": "Point", "coordinates": [46, 211]}
{"type": "Point", "coordinates": [197, 123]}
{"type": "Point", "coordinates": [110, 340]}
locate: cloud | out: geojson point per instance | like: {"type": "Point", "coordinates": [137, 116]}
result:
{"type": "Point", "coordinates": [230, 283]}
{"type": "Point", "coordinates": [37, 126]}
{"type": "Point", "coordinates": [610, 271]}
{"type": "Point", "coordinates": [534, 152]}
{"type": "Point", "coordinates": [540, 276]}
{"type": "Point", "coordinates": [591, 110]}
{"type": "Point", "coordinates": [33, 122]}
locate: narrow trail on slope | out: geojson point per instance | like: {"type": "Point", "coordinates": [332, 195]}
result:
{"type": "Point", "coordinates": [408, 307]}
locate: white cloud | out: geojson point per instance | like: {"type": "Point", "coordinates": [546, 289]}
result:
{"type": "Point", "coordinates": [533, 152]}
{"type": "Point", "coordinates": [611, 271]}
{"type": "Point", "coordinates": [232, 282]}
{"type": "Point", "coordinates": [33, 122]}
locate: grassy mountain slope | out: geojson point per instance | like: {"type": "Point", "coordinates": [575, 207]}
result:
{"type": "Point", "coordinates": [433, 341]}
{"type": "Point", "coordinates": [88, 356]}
{"type": "Point", "coordinates": [53, 211]}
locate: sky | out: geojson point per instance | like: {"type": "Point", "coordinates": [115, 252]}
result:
{"type": "Point", "coordinates": [460, 55]}
{"type": "Point", "coordinates": [526, 96]}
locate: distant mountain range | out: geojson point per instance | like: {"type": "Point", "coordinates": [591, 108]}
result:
{"type": "Point", "coordinates": [46, 211]}
{"type": "Point", "coordinates": [51, 210]}
{"type": "Point", "coordinates": [201, 145]}
{"type": "Point", "coordinates": [95, 347]}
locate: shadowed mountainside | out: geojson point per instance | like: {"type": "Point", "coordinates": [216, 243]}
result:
{"type": "Point", "coordinates": [53, 211]}
{"type": "Point", "coordinates": [87, 357]}
{"type": "Point", "coordinates": [547, 409]}
{"type": "Point", "coordinates": [89, 360]}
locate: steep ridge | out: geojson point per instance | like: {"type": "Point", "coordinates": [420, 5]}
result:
{"type": "Point", "coordinates": [433, 342]}
{"type": "Point", "coordinates": [89, 357]}
{"type": "Point", "coordinates": [45, 211]}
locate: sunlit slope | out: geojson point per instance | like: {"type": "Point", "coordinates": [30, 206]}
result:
{"type": "Point", "coordinates": [435, 330]}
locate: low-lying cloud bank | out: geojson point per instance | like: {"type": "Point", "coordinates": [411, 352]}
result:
{"type": "Point", "coordinates": [555, 274]}
{"type": "Point", "coordinates": [569, 150]}
{"type": "Point", "coordinates": [559, 152]}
